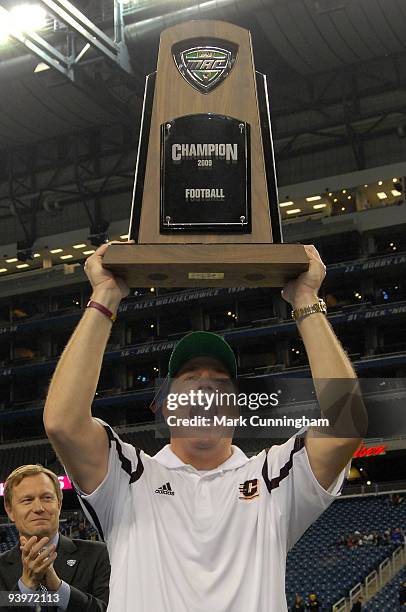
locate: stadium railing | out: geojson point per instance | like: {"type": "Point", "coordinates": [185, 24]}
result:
{"type": "Point", "coordinates": [374, 581]}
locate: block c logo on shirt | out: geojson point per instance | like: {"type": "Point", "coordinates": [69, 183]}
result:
{"type": "Point", "coordinates": [249, 489]}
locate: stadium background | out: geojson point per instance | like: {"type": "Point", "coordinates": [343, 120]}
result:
{"type": "Point", "coordinates": [68, 141]}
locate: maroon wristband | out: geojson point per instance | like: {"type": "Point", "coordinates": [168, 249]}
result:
{"type": "Point", "coordinates": [110, 315]}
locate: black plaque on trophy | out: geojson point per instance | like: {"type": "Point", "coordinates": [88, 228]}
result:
{"type": "Point", "coordinates": [205, 175]}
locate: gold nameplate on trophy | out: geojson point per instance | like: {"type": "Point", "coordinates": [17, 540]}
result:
{"type": "Point", "coordinates": [205, 210]}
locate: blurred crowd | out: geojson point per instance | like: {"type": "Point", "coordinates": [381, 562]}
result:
{"type": "Point", "coordinates": [312, 603]}
{"type": "Point", "coordinates": [372, 538]}
{"type": "Point", "coordinates": [75, 525]}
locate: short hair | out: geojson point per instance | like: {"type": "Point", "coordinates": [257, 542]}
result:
{"type": "Point", "coordinates": [22, 472]}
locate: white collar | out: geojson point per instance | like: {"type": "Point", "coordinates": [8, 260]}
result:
{"type": "Point", "coordinates": [167, 457]}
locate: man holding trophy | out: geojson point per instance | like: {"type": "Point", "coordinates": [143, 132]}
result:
{"type": "Point", "coordinates": [199, 526]}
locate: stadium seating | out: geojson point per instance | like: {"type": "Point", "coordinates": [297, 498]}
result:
{"type": "Point", "coordinates": [8, 537]}
{"type": "Point", "coordinates": [335, 570]}
{"type": "Point", "coordinates": [22, 455]}
{"type": "Point", "coordinates": [387, 599]}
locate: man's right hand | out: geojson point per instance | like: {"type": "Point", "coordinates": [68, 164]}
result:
{"type": "Point", "coordinates": [35, 563]}
{"type": "Point", "coordinates": [103, 280]}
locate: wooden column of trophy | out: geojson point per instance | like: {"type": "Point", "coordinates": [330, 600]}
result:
{"type": "Point", "coordinates": [205, 209]}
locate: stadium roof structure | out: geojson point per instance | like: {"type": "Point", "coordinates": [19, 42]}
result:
{"type": "Point", "coordinates": [112, 45]}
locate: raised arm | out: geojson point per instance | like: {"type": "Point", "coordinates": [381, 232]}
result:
{"type": "Point", "coordinates": [79, 440]}
{"type": "Point", "coordinates": [335, 380]}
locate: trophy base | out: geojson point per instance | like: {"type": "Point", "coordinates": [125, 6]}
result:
{"type": "Point", "coordinates": [206, 265]}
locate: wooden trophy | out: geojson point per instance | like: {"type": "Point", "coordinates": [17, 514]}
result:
{"type": "Point", "coordinates": [205, 208]}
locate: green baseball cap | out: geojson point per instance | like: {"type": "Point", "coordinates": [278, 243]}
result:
{"type": "Point", "coordinates": [199, 344]}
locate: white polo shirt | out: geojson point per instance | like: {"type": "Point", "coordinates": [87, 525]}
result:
{"type": "Point", "coordinates": [184, 541]}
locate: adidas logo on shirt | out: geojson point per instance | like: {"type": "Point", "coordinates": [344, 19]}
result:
{"type": "Point", "coordinates": [165, 490]}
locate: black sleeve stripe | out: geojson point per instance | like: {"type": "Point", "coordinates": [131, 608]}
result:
{"type": "Point", "coordinates": [284, 471]}
{"type": "Point", "coordinates": [95, 518]}
{"type": "Point", "coordinates": [125, 462]}
{"type": "Point", "coordinates": [140, 468]}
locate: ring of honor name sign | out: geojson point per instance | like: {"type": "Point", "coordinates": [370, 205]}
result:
{"type": "Point", "coordinates": [205, 207]}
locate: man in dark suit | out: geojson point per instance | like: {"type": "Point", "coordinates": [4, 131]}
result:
{"type": "Point", "coordinates": [77, 571]}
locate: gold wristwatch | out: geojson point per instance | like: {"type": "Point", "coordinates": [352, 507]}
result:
{"type": "Point", "coordinates": [320, 306]}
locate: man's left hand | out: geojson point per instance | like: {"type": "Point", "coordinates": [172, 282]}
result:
{"type": "Point", "coordinates": [304, 289]}
{"type": "Point", "coordinates": [52, 580]}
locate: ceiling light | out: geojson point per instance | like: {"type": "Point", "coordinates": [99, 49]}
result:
{"type": "Point", "coordinates": [66, 256]}
{"type": "Point", "coordinates": [27, 17]}
{"type": "Point", "coordinates": [365, 185]}
{"type": "Point", "coordinates": [395, 180]}
{"type": "Point", "coordinates": [152, 289]}
{"type": "Point", "coordinates": [37, 255]}
{"type": "Point", "coordinates": [349, 198]}
{"type": "Point", "coordinates": [24, 265]}
{"type": "Point", "coordinates": [335, 200]}
{"type": "Point", "coordinates": [12, 260]}
{"type": "Point", "coordinates": [380, 183]}
{"type": "Point", "coordinates": [317, 206]}
{"type": "Point", "coordinates": [41, 67]}
{"type": "Point", "coordinates": [3, 269]}
{"type": "Point", "coordinates": [80, 246]}
{"type": "Point", "coordinates": [4, 31]}
{"type": "Point", "coordinates": [330, 194]}
{"type": "Point", "coordinates": [56, 251]}
{"type": "Point", "coordinates": [283, 204]}
{"type": "Point", "coordinates": [396, 193]}
{"type": "Point", "coordinates": [88, 252]}
{"type": "Point", "coordinates": [344, 191]}
{"type": "Point", "coordinates": [382, 195]}
{"type": "Point", "coordinates": [293, 211]}
{"type": "Point", "coordinates": [342, 207]}
{"type": "Point", "coordinates": [391, 244]}
{"type": "Point", "coordinates": [313, 198]}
